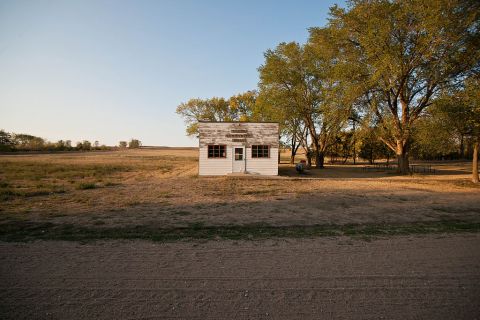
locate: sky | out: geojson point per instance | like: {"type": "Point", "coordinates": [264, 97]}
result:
{"type": "Point", "coordinates": [117, 70]}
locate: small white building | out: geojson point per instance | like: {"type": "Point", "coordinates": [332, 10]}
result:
{"type": "Point", "coordinates": [238, 147]}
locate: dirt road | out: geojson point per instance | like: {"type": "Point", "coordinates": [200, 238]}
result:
{"type": "Point", "coordinates": [421, 277]}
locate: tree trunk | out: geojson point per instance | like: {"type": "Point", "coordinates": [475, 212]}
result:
{"type": "Point", "coordinates": [309, 158]}
{"type": "Point", "coordinates": [319, 160]}
{"type": "Point", "coordinates": [319, 157]}
{"type": "Point", "coordinates": [462, 147]}
{"type": "Point", "coordinates": [402, 158]}
{"type": "Point", "coordinates": [475, 162]}
{"type": "Point", "coordinates": [293, 149]}
{"type": "Point", "coordinates": [315, 143]}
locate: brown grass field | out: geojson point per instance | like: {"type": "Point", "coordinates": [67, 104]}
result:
{"type": "Point", "coordinates": [146, 193]}
{"type": "Point", "coordinates": [153, 240]}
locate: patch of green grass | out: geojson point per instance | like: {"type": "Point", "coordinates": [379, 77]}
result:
{"type": "Point", "coordinates": [32, 170]}
{"type": "Point", "coordinates": [111, 184]}
{"type": "Point", "coordinates": [9, 194]}
{"type": "Point", "coordinates": [27, 178]}
{"type": "Point", "coordinates": [20, 230]}
{"type": "Point", "coordinates": [86, 186]}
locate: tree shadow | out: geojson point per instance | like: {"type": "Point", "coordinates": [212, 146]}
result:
{"type": "Point", "coordinates": [366, 171]}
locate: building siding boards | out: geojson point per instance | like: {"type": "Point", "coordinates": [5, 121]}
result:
{"type": "Point", "coordinates": [234, 134]}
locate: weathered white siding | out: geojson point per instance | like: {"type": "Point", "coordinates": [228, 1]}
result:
{"type": "Point", "coordinates": [234, 134]}
{"type": "Point", "coordinates": [214, 166]}
{"type": "Point", "coordinates": [263, 166]}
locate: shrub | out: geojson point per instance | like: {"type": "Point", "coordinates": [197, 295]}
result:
{"type": "Point", "coordinates": [86, 186]}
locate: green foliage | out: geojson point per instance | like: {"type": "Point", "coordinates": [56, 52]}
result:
{"type": "Point", "coordinates": [433, 139]}
{"type": "Point", "coordinates": [29, 142]}
{"type": "Point", "coordinates": [244, 107]}
{"type": "Point", "coordinates": [452, 122]}
{"type": "Point", "coordinates": [6, 141]}
{"type": "Point", "coordinates": [460, 109]}
{"type": "Point", "coordinates": [241, 107]}
{"type": "Point", "coordinates": [122, 144]}
{"type": "Point", "coordinates": [395, 56]}
{"type": "Point", "coordinates": [134, 144]}
{"type": "Point", "coordinates": [342, 146]}
{"type": "Point", "coordinates": [371, 147]}
{"type": "Point", "coordinates": [389, 60]}
{"type": "Point", "coordinates": [295, 81]}
{"type": "Point", "coordinates": [63, 145]}
{"type": "Point", "coordinates": [85, 145]}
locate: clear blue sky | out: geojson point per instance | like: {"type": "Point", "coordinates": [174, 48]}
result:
{"type": "Point", "coordinates": [115, 70]}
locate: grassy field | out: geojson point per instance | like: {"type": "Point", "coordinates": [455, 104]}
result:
{"type": "Point", "coordinates": [157, 195]}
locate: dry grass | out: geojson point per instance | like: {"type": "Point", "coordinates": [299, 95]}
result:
{"type": "Point", "coordinates": [161, 188]}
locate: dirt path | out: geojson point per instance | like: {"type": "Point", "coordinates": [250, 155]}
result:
{"type": "Point", "coordinates": [427, 277]}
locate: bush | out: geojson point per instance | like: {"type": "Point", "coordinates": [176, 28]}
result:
{"type": "Point", "coordinates": [134, 143]}
{"type": "Point", "coordinates": [86, 186]}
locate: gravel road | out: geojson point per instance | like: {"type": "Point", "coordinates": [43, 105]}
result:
{"type": "Point", "coordinates": [407, 277]}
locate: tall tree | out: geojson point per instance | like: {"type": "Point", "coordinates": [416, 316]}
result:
{"type": "Point", "coordinates": [195, 110]}
{"type": "Point", "coordinates": [28, 142]}
{"type": "Point", "coordinates": [295, 80]}
{"type": "Point", "coordinates": [134, 144]}
{"type": "Point", "coordinates": [292, 128]}
{"type": "Point", "coordinates": [463, 104]}
{"type": "Point", "coordinates": [6, 141]}
{"type": "Point", "coordinates": [433, 137]}
{"type": "Point", "coordinates": [241, 107]}
{"type": "Point", "coordinates": [398, 54]}
{"type": "Point", "coordinates": [244, 107]}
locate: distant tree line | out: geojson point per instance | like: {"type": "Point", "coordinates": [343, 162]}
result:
{"type": "Point", "coordinates": [25, 142]}
{"type": "Point", "coordinates": [383, 79]}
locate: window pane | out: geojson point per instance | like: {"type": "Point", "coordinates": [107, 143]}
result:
{"type": "Point", "coordinates": [238, 153]}
{"type": "Point", "coordinates": [217, 151]}
{"type": "Point", "coordinates": [260, 151]}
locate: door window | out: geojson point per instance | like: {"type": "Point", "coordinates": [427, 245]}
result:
{"type": "Point", "coordinates": [238, 153]}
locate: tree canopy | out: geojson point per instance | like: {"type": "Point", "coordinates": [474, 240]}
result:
{"type": "Point", "coordinates": [394, 64]}
{"type": "Point", "coordinates": [395, 56]}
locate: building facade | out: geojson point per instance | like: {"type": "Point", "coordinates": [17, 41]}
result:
{"type": "Point", "coordinates": [238, 147]}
